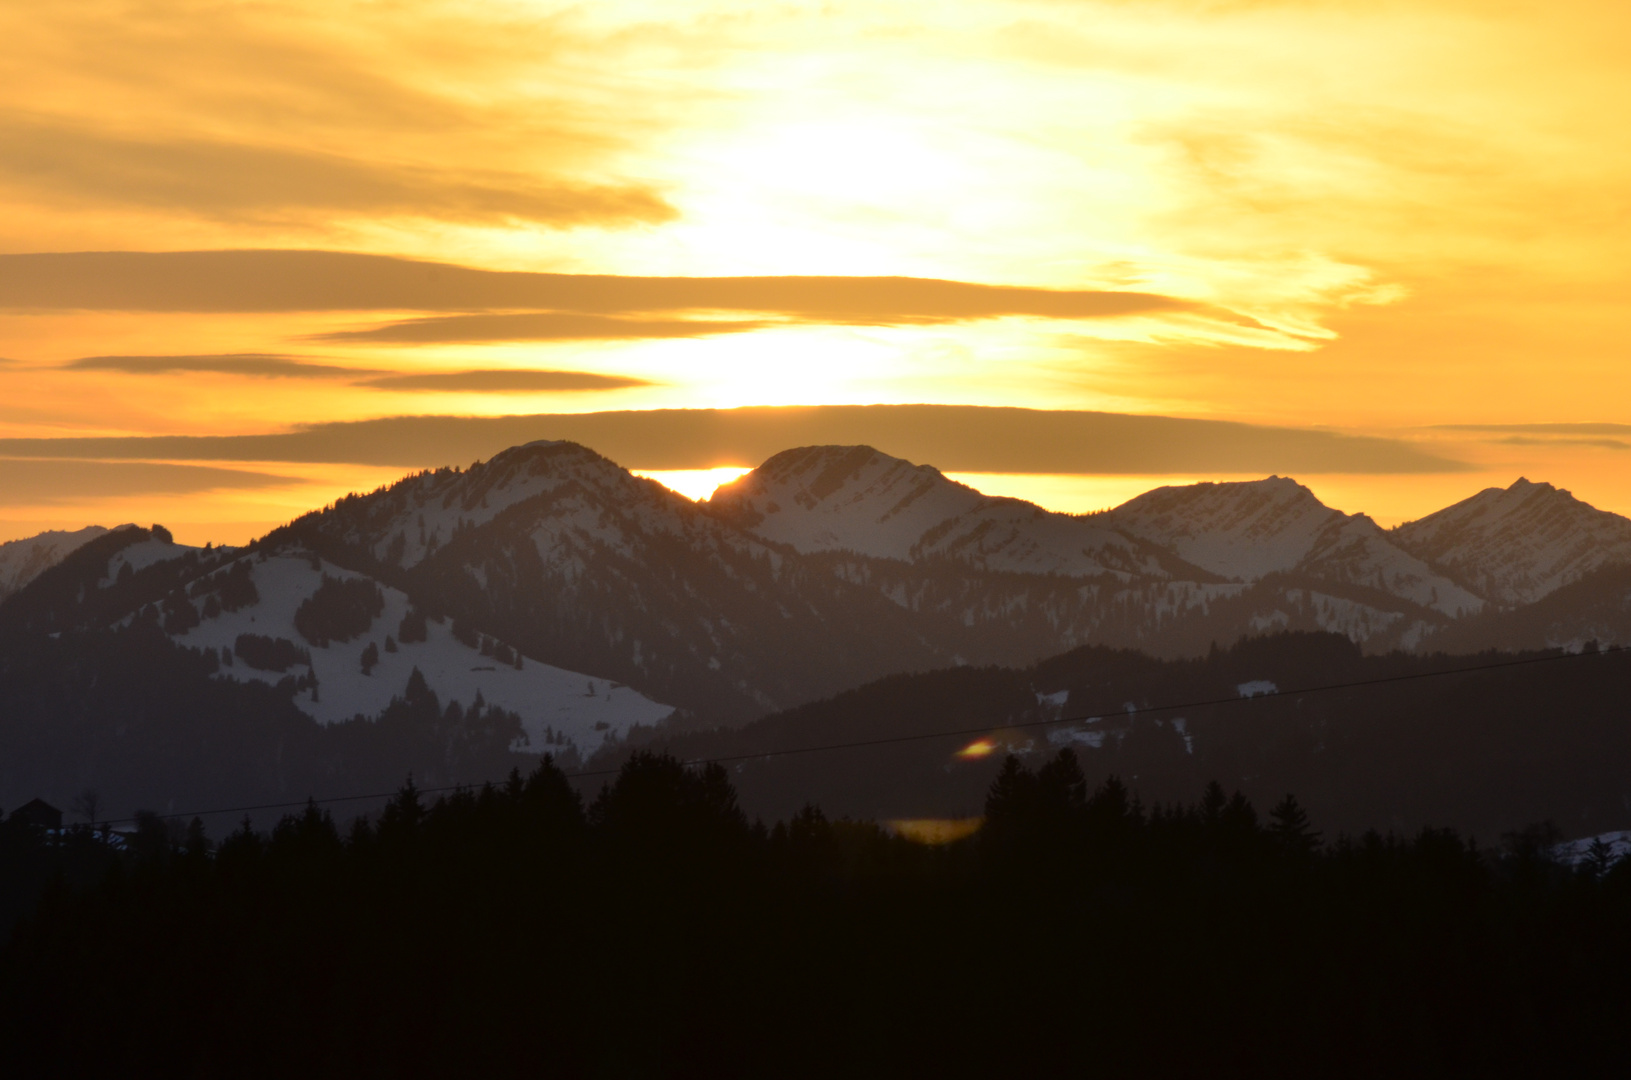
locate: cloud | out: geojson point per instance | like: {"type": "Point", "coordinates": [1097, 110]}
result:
{"type": "Point", "coordinates": [263, 281]}
{"type": "Point", "coordinates": [273, 366]}
{"type": "Point", "coordinates": [955, 438]}
{"type": "Point", "coordinates": [264, 365]}
{"type": "Point", "coordinates": [538, 326]}
{"type": "Point", "coordinates": [504, 381]}
{"type": "Point", "coordinates": [33, 482]}
{"type": "Point", "coordinates": [1541, 429]}
{"type": "Point", "coordinates": [1527, 440]}
{"type": "Point", "coordinates": [238, 180]}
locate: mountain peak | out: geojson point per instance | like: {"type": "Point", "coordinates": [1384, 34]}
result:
{"type": "Point", "coordinates": [1250, 529]}
{"type": "Point", "coordinates": [404, 524]}
{"type": "Point", "coordinates": [1523, 486]}
{"type": "Point", "coordinates": [1240, 528]}
{"type": "Point", "coordinates": [823, 471]}
{"type": "Point", "coordinates": [857, 498]}
{"type": "Point", "coordinates": [1519, 543]}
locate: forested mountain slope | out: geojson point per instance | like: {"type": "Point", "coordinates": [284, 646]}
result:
{"type": "Point", "coordinates": [1396, 745]}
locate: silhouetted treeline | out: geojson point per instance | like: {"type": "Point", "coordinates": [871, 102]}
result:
{"type": "Point", "coordinates": [658, 932]}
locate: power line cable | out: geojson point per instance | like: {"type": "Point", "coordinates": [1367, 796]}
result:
{"type": "Point", "coordinates": [949, 733]}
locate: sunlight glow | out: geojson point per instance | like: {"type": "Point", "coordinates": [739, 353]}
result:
{"type": "Point", "coordinates": [694, 484]}
{"type": "Point", "coordinates": [1388, 217]}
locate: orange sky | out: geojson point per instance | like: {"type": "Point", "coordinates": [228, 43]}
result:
{"type": "Point", "coordinates": [1400, 220]}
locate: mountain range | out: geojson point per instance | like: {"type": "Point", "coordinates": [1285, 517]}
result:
{"type": "Point", "coordinates": [591, 606]}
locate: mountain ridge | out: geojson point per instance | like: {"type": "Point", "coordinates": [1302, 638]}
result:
{"type": "Point", "coordinates": [831, 565]}
{"type": "Point", "coordinates": [548, 600]}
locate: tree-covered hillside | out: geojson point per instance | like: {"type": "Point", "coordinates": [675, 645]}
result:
{"type": "Point", "coordinates": [1486, 744]}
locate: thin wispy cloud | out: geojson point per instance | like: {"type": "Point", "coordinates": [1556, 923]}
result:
{"type": "Point", "coordinates": [261, 365]}
{"type": "Point", "coordinates": [503, 381]}
{"type": "Point", "coordinates": [1542, 429]}
{"type": "Point", "coordinates": [224, 179]}
{"type": "Point", "coordinates": [37, 482]}
{"type": "Point", "coordinates": [1529, 440]}
{"type": "Point", "coordinates": [953, 438]}
{"type": "Point", "coordinates": [269, 281]}
{"type": "Point", "coordinates": [537, 326]}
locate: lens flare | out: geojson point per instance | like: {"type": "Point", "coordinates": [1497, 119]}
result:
{"type": "Point", "coordinates": [979, 748]}
{"type": "Point", "coordinates": [934, 830]}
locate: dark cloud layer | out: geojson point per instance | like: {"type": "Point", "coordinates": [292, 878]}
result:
{"type": "Point", "coordinates": [265, 365]}
{"type": "Point", "coordinates": [504, 381]}
{"type": "Point", "coordinates": [29, 482]}
{"type": "Point", "coordinates": [538, 326]}
{"type": "Point", "coordinates": [953, 438]}
{"type": "Point", "coordinates": [247, 281]}
{"type": "Point", "coordinates": [234, 180]}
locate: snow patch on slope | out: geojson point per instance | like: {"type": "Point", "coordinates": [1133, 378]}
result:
{"type": "Point", "coordinates": [142, 554]}
{"type": "Point", "coordinates": [558, 708]}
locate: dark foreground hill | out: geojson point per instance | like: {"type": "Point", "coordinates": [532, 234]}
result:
{"type": "Point", "coordinates": [511, 933]}
{"type": "Point", "coordinates": [1404, 742]}
{"type": "Point", "coordinates": [141, 722]}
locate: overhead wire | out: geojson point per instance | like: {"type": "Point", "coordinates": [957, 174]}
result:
{"type": "Point", "coordinates": [948, 733]}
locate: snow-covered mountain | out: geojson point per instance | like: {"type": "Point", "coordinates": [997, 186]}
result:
{"type": "Point", "coordinates": [577, 561]}
{"type": "Point", "coordinates": [855, 498]}
{"type": "Point", "coordinates": [1249, 530]}
{"type": "Point", "coordinates": [823, 569]}
{"type": "Point", "coordinates": [21, 561]}
{"type": "Point", "coordinates": [1516, 545]}
{"type": "Point", "coordinates": [1159, 565]}
{"type": "Point", "coordinates": [406, 523]}
{"type": "Point", "coordinates": [260, 613]}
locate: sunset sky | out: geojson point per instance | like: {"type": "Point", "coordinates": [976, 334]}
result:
{"type": "Point", "coordinates": [1380, 247]}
